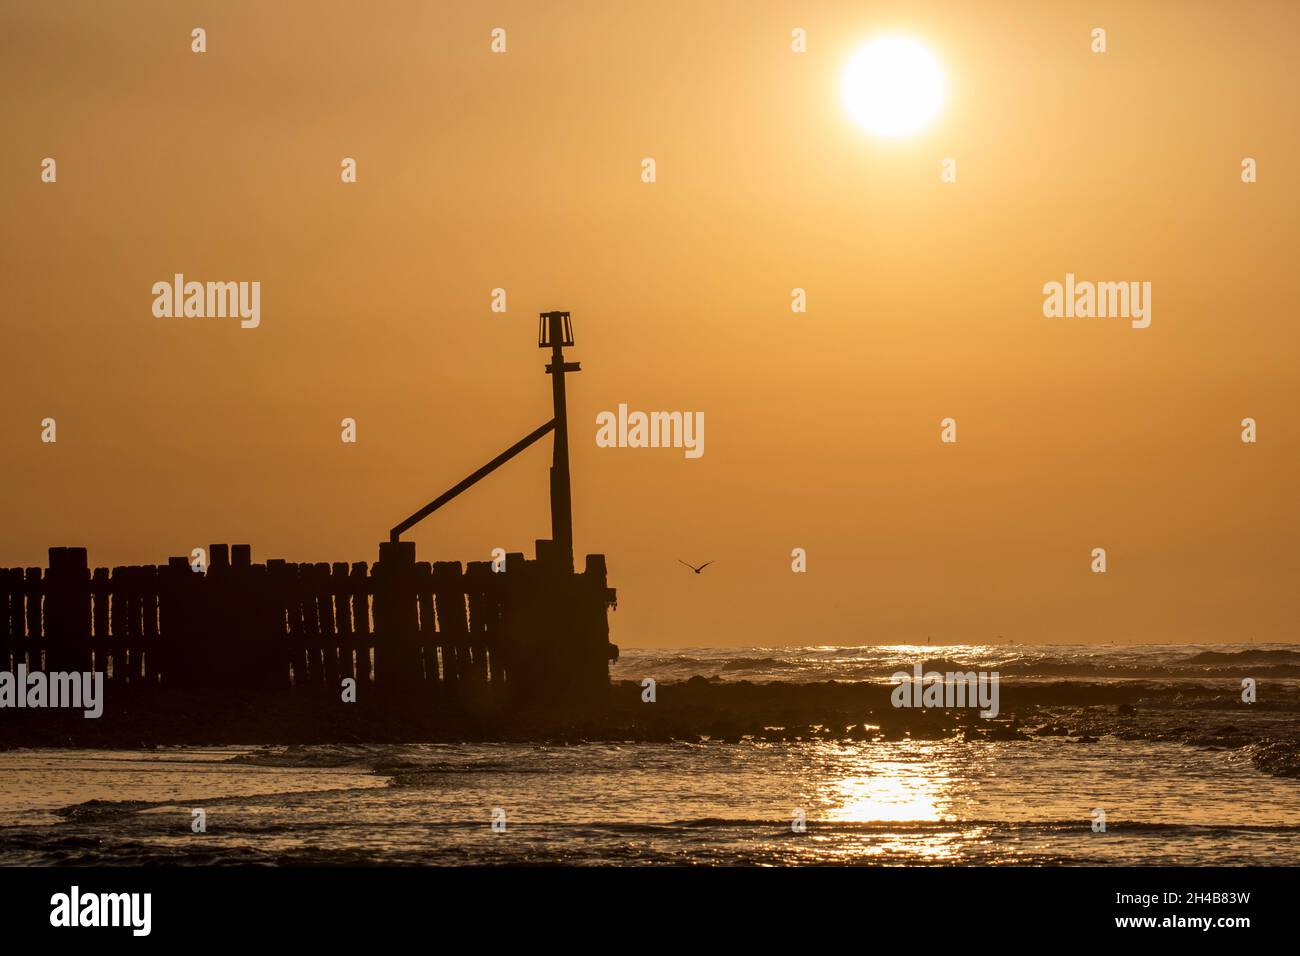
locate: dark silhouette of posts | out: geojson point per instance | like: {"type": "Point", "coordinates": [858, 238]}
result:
{"type": "Point", "coordinates": [534, 629]}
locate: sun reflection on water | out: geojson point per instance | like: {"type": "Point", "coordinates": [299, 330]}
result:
{"type": "Point", "coordinates": [907, 788]}
{"type": "Point", "coordinates": [913, 786]}
{"type": "Point", "coordinates": [893, 796]}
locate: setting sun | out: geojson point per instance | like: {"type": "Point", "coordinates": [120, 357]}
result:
{"type": "Point", "coordinates": [893, 86]}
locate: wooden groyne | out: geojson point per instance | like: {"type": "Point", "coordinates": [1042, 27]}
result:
{"type": "Point", "coordinates": [397, 625]}
{"type": "Point", "coordinates": [532, 629]}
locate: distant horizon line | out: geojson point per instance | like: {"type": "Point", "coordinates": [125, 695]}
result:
{"type": "Point", "coordinates": [1047, 643]}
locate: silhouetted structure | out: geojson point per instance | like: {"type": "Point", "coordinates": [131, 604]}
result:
{"type": "Point", "coordinates": [534, 627]}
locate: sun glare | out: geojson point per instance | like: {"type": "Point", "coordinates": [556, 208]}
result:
{"type": "Point", "coordinates": [893, 86]}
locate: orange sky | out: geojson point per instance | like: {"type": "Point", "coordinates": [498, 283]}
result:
{"type": "Point", "coordinates": [522, 171]}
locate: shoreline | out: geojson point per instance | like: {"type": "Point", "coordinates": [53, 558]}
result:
{"type": "Point", "coordinates": [1204, 715]}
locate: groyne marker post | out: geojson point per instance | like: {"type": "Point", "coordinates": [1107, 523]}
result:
{"type": "Point", "coordinates": [556, 332]}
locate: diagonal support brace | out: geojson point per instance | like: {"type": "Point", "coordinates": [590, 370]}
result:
{"type": "Point", "coordinates": [483, 472]}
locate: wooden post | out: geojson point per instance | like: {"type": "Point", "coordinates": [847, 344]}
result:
{"type": "Point", "coordinates": [327, 626]}
{"type": "Point", "coordinates": [33, 645]}
{"type": "Point", "coordinates": [151, 656]}
{"type": "Point", "coordinates": [478, 576]}
{"type": "Point", "coordinates": [360, 585]}
{"type": "Point", "coordinates": [134, 623]}
{"type": "Point", "coordinates": [10, 589]}
{"type": "Point", "coordinates": [67, 610]}
{"type": "Point", "coordinates": [171, 618]}
{"type": "Point", "coordinates": [397, 628]}
{"type": "Point", "coordinates": [299, 653]}
{"type": "Point", "coordinates": [277, 582]}
{"type": "Point", "coordinates": [341, 615]}
{"type": "Point", "coordinates": [117, 589]}
{"type": "Point", "coordinates": [449, 593]}
{"type": "Point", "coordinates": [428, 625]}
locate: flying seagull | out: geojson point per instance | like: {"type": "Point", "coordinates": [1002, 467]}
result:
{"type": "Point", "coordinates": [693, 568]}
